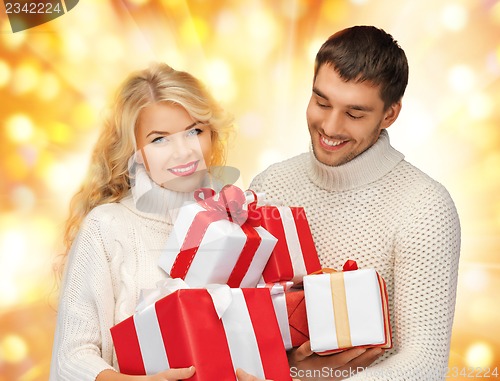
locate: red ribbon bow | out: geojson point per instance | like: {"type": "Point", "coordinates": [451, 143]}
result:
{"type": "Point", "coordinates": [229, 205]}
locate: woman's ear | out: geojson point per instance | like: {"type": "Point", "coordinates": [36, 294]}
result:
{"type": "Point", "coordinates": [391, 114]}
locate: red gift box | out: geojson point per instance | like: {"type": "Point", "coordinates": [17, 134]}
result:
{"type": "Point", "coordinates": [294, 255]}
{"type": "Point", "coordinates": [184, 329]}
{"type": "Point", "coordinates": [290, 309]}
{"type": "Point", "coordinates": [217, 240]}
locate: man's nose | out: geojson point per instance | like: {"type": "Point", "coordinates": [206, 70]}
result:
{"type": "Point", "coordinates": [333, 124]}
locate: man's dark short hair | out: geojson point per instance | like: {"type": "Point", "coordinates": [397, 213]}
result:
{"type": "Point", "coordinates": [366, 53]}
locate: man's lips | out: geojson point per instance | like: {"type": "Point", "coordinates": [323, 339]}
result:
{"type": "Point", "coordinates": [185, 169]}
{"type": "Point", "coordinates": [331, 144]}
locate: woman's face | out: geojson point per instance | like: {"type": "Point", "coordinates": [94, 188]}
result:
{"type": "Point", "coordinates": [174, 148]}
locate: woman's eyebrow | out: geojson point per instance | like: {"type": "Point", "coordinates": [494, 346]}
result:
{"type": "Point", "coordinates": [166, 133]}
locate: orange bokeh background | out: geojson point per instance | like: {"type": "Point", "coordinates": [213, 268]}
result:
{"type": "Point", "coordinates": [257, 58]}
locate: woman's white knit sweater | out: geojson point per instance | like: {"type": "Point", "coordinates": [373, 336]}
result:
{"type": "Point", "coordinates": [113, 258]}
{"type": "Point", "coordinates": [386, 214]}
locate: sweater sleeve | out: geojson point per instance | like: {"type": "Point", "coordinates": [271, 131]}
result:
{"type": "Point", "coordinates": [425, 281]}
{"type": "Point", "coordinates": [82, 344]}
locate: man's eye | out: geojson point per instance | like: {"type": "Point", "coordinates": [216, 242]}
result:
{"type": "Point", "coordinates": [322, 105]}
{"type": "Point", "coordinates": [353, 116]}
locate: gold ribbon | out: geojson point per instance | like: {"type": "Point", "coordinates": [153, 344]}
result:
{"type": "Point", "coordinates": [340, 310]}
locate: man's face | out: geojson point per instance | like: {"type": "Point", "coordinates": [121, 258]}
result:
{"type": "Point", "coordinates": [345, 118]}
{"type": "Point", "coordinates": [174, 148]}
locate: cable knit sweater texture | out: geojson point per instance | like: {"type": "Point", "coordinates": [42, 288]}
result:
{"type": "Point", "coordinates": [386, 214]}
{"type": "Point", "coordinates": [113, 258]}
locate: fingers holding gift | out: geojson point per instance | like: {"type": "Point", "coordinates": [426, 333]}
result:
{"type": "Point", "coordinates": [175, 374]}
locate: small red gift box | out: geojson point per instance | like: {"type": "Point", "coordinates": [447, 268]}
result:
{"type": "Point", "coordinates": [294, 255]}
{"type": "Point", "coordinates": [289, 305]}
{"type": "Point", "coordinates": [217, 240]}
{"type": "Point", "coordinates": [216, 331]}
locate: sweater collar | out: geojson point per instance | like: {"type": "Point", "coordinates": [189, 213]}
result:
{"type": "Point", "coordinates": [366, 168]}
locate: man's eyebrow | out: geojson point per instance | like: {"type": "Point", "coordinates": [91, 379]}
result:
{"type": "Point", "coordinates": [166, 133]}
{"type": "Point", "coordinates": [351, 107]}
{"type": "Point", "coordinates": [360, 108]}
{"type": "Point", "coordinates": [319, 93]}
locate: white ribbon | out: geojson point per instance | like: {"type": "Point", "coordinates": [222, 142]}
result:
{"type": "Point", "coordinates": [293, 243]}
{"type": "Point", "coordinates": [279, 304]}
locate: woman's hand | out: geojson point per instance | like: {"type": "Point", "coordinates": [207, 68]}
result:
{"type": "Point", "coordinates": [174, 374]}
{"type": "Point", "coordinates": [340, 365]}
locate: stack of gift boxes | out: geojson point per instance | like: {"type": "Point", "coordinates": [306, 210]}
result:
{"type": "Point", "coordinates": [239, 295]}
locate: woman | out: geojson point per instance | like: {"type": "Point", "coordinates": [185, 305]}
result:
{"type": "Point", "coordinates": [164, 134]}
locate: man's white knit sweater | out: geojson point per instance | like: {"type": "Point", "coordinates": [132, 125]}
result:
{"type": "Point", "coordinates": [384, 213]}
{"type": "Point", "coordinates": [113, 258]}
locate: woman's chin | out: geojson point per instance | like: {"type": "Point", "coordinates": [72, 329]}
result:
{"type": "Point", "coordinates": [185, 183]}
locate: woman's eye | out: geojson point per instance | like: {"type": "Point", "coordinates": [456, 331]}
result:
{"type": "Point", "coordinates": [160, 139]}
{"type": "Point", "coordinates": [194, 132]}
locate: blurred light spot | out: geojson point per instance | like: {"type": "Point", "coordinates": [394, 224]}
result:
{"type": "Point", "coordinates": [15, 167]}
{"type": "Point", "coordinates": [23, 198]}
{"type": "Point", "coordinates": [313, 49]}
{"type": "Point", "coordinates": [13, 348]}
{"type": "Point", "coordinates": [10, 40]}
{"type": "Point", "coordinates": [479, 354]}
{"type": "Point", "coordinates": [480, 106]}
{"type": "Point", "coordinates": [138, 2]}
{"type": "Point", "coordinates": [218, 73]}
{"type": "Point", "coordinates": [495, 13]}
{"type": "Point", "coordinates": [226, 23]}
{"type": "Point", "coordinates": [219, 79]}
{"type": "Point", "coordinates": [12, 249]}
{"type": "Point", "coordinates": [261, 26]}
{"type": "Point", "coordinates": [5, 73]}
{"type": "Point", "coordinates": [57, 176]}
{"type": "Point", "coordinates": [194, 31]}
{"type": "Point", "coordinates": [475, 279]}
{"type": "Point", "coordinates": [25, 78]}
{"type": "Point", "coordinates": [59, 133]}
{"type": "Point", "coordinates": [83, 116]}
{"type": "Point", "coordinates": [359, 2]}
{"type": "Point", "coordinates": [48, 86]}
{"type": "Point", "coordinates": [293, 10]}
{"type": "Point", "coordinates": [335, 11]}
{"type": "Point", "coordinates": [110, 48]}
{"type": "Point", "coordinates": [461, 78]}
{"type": "Point", "coordinates": [19, 128]}
{"type": "Point", "coordinates": [74, 46]}
{"type": "Point", "coordinates": [454, 17]}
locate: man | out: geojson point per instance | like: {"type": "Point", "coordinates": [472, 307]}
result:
{"type": "Point", "coordinates": [365, 202]}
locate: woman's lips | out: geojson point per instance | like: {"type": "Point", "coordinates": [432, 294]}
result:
{"type": "Point", "coordinates": [185, 170]}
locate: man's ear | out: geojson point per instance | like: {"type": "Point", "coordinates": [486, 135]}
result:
{"type": "Point", "coordinates": [391, 114]}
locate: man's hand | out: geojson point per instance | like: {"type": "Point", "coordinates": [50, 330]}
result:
{"type": "Point", "coordinates": [344, 363]}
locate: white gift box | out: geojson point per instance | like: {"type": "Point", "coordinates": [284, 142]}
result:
{"type": "Point", "coordinates": [218, 251]}
{"type": "Point", "coordinates": [347, 309]}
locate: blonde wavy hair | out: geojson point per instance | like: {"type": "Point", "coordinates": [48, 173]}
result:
{"type": "Point", "coordinates": [107, 178]}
